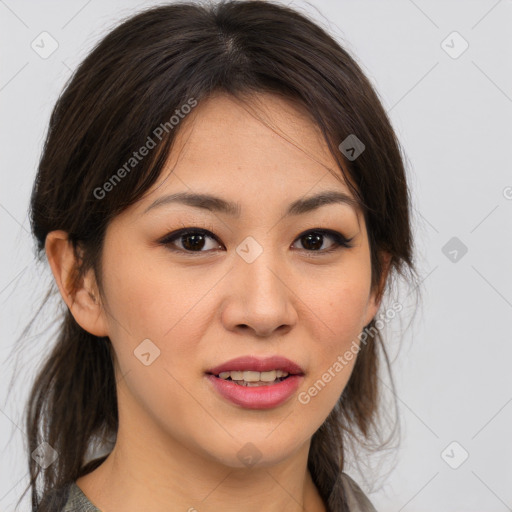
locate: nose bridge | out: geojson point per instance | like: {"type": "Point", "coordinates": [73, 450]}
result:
{"type": "Point", "coordinates": [261, 298]}
{"type": "Point", "coordinates": [258, 265]}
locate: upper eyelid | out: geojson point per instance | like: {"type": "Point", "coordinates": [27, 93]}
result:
{"type": "Point", "coordinates": [173, 235]}
{"type": "Point", "coordinates": [209, 231]}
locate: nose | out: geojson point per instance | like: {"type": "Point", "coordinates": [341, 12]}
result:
{"type": "Point", "coordinates": [258, 297]}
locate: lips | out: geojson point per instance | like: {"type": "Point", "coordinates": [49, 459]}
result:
{"type": "Point", "coordinates": [251, 363]}
{"type": "Point", "coordinates": [258, 397]}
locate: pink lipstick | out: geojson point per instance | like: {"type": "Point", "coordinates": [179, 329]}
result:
{"type": "Point", "coordinates": [255, 383]}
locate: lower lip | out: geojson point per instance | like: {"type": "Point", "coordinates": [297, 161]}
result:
{"type": "Point", "coordinates": [257, 397]}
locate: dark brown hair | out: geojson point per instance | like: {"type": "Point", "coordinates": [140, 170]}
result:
{"type": "Point", "coordinates": [133, 81]}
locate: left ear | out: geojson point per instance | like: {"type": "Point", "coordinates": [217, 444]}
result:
{"type": "Point", "coordinates": [378, 291]}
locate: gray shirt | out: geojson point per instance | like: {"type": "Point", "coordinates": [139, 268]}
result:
{"type": "Point", "coordinates": [77, 501]}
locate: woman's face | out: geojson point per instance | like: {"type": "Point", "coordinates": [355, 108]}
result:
{"type": "Point", "coordinates": [255, 285]}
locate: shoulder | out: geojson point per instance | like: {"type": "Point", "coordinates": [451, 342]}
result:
{"type": "Point", "coordinates": [72, 499]}
{"type": "Point", "coordinates": [356, 499]}
{"type": "Point", "coordinates": [77, 501]}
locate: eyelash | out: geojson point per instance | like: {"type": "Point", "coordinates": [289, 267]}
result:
{"type": "Point", "coordinates": [339, 240]}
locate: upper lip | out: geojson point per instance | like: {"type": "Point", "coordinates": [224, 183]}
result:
{"type": "Point", "coordinates": [251, 363]}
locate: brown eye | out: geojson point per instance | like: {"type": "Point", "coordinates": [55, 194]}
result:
{"type": "Point", "coordinates": [313, 240]}
{"type": "Point", "coordinates": [191, 240]}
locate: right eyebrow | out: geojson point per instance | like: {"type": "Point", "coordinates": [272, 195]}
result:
{"type": "Point", "coordinates": [214, 203]}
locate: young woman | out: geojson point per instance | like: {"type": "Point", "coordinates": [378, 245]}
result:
{"type": "Point", "coordinates": [222, 202]}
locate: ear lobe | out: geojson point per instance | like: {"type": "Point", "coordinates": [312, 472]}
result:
{"type": "Point", "coordinates": [77, 294]}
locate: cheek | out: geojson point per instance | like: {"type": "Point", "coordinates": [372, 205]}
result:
{"type": "Point", "coordinates": [340, 308]}
{"type": "Point", "coordinates": [150, 303]}
{"type": "Point", "coordinates": [341, 304]}
{"type": "Point", "coordinates": [347, 310]}
{"type": "Point", "coordinates": [344, 318]}
{"type": "Point", "coordinates": [155, 302]}
{"type": "Point", "coordinates": [144, 296]}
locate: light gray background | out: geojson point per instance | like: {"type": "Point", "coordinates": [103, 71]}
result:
{"type": "Point", "coordinates": [453, 117]}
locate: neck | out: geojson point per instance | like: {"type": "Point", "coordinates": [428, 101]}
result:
{"type": "Point", "coordinates": [148, 476]}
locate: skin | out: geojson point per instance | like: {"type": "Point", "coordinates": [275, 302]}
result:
{"type": "Point", "coordinates": [178, 439]}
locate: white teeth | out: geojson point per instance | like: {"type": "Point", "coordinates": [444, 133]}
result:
{"type": "Point", "coordinates": [251, 376]}
{"type": "Point", "coordinates": [268, 376]}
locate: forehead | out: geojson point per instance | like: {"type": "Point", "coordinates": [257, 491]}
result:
{"type": "Point", "coordinates": [261, 127]}
{"type": "Point", "coordinates": [263, 153]}
{"type": "Point", "coordinates": [242, 141]}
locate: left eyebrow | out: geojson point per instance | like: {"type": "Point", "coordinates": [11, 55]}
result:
{"type": "Point", "coordinates": [217, 204]}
